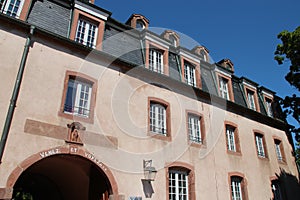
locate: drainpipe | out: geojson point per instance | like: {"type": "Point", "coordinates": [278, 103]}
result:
{"type": "Point", "coordinates": [15, 94]}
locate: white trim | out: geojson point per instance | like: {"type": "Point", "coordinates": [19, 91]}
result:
{"type": "Point", "coordinates": [189, 56]}
{"type": "Point", "coordinates": [223, 73]}
{"type": "Point", "coordinates": [4, 9]}
{"type": "Point", "coordinates": [249, 85]}
{"type": "Point", "coordinates": [157, 40]}
{"type": "Point", "coordinates": [80, 7]}
{"type": "Point", "coordinates": [269, 95]}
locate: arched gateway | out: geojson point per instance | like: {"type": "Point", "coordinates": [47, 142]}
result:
{"type": "Point", "coordinates": [62, 173]}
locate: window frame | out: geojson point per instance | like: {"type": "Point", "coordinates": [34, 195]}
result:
{"type": "Point", "coordinates": [178, 166]}
{"type": "Point", "coordinates": [190, 73]}
{"type": "Point", "coordinates": [279, 144]}
{"type": "Point", "coordinates": [164, 51]}
{"type": "Point", "coordinates": [156, 64]}
{"type": "Point", "coordinates": [200, 117]}
{"type": "Point", "coordinates": [88, 26]}
{"type": "Point", "coordinates": [234, 127]}
{"type": "Point", "coordinates": [78, 14]}
{"type": "Point", "coordinates": [261, 136]}
{"type": "Point", "coordinates": [193, 64]}
{"type": "Point", "coordinates": [242, 184]}
{"type": "Point", "coordinates": [166, 105]}
{"type": "Point", "coordinates": [220, 77]}
{"type": "Point", "coordinates": [71, 75]}
{"type": "Point", "coordinates": [6, 5]}
{"type": "Point", "coordinates": [252, 90]}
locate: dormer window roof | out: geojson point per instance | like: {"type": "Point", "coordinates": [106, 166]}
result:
{"type": "Point", "coordinates": [138, 21]}
{"type": "Point", "coordinates": [227, 64]}
{"type": "Point", "coordinates": [201, 51]}
{"type": "Point", "coordinates": [172, 36]}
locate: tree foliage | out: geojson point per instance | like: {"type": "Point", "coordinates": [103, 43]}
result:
{"type": "Point", "coordinates": [289, 51]}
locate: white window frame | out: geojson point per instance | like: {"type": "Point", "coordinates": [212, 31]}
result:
{"type": "Point", "coordinates": [158, 118]}
{"type": "Point", "coordinates": [231, 137]}
{"type": "Point", "coordinates": [86, 33]}
{"type": "Point", "coordinates": [190, 74]}
{"type": "Point", "coordinates": [224, 90]}
{"type": "Point", "coordinates": [178, 177]}
{"type": "Point", "coordinates": [236, 188]}
{"type": "Point", "coordinates": [251, 99]}
{"type": "Point", "coordinates": [260, 145]}
{"type": "Point", "coordinates": [278, 150]}
{"type": "Point", "coordinates": [156, 61]}
{"type": "Point", "coordinates": [11, 5]}
{"type": "Point", "coordinates": [194, 128]}
{"type": "Point", "coordinates": [82, 100]}
{"type": "Point", "coordinates": [268, 103]}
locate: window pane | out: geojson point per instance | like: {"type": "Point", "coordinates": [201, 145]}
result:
{"type": "Point", "coordinates": [178, 185]}
{"type": "Point", "coordinates": [156, 61]}
{"type": "Point", "coordinates": [230, 136]}
{"type": "Point", "coordinates": [78, 98]}
{"type": "Point", "coordinates": [236, 189]}
{"type": "Point", "coordinates": [194, 128]}
{"type": "Point", "coordinates": [86, 33]}
{"type": "Point", "coordinates": [158, 121]}
{"type": "Point", "coordinates": [259, 145]}
{"type": "Point", "coordinates": [189, 74]}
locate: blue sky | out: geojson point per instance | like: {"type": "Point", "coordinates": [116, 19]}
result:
{"type": "Point", "coordinates": [243, 31]}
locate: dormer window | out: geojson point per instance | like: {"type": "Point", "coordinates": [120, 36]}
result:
{"type": "Point", "coordinates": [250, 99]}
{"type": "Point", "coordinates": [224, 92]}
{"type": "Point", "coordinates": [173, 40]}
{"type": "Point", "coordinates": [86, 33]}
{"type": "Point", "coordinates": [140, 24]}
{"type": "Point", "coordinates": [189, 74]}
{"type": "Point", "coordinates": [172, 36]}
{"type": "Point", "coordinates": [156, 61]}
{"type": "Point", "coordinates": [202, 52]}
{"type": "Point", "coordinates": [138, 21]}
{"type": "Point", "coordinates": [268, 103]}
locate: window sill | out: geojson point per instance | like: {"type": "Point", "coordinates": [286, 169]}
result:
{"type": "Point", "coordinates": [197, 144]}
{"type": "Point", "coordinates": [160, 136]}
{"type": "Point", "coordinates": [234, 153]}
{"type": "Point", "coordinates": [263, 158]}
{"type": "Point", "coordinates": [76, 117]}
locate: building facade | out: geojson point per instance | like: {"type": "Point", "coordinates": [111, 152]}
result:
{"type": "Point", "coordinates": [98, 100]}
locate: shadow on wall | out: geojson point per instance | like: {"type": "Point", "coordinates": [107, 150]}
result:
{"type": "Point", "coordinates": [286, 187]}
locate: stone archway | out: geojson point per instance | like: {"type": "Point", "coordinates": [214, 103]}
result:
{"type": "Point", "coordinates": [66, 172]}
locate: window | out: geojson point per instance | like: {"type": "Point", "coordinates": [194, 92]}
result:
{"type": "Point", "coordinates": [178, 185]}
{"type": "Point", "coordinates": [140, 24]}
{"type": "Point", "coordinates": [173, 40]}
{"type": "Point", "coordinates": [86, 33]}
{"type": "Point", "coordinates": [276, 190]}
{"type": "Point", "coordinates": [11, 7]}
{"type": "Point", "coordinates": [268, 103]}
{"type": "Point", "coordinates": [224, 92]}
{"type": "Point", "coordinates": [279, 150]}
{"type": "Point", "coordinates": [78, 97]}
{"type": "Point", "coordinates": [251, 101]}
{"type": "Point", "coordinates": [158, 118]}
{"type": "Point", "coordinates": [156, 61]}
{"type": "Point", "coordinates": [194, 128]}
{"type": "Point", "coordinates": [260, 145]}
{"type": "Point", "coordinates": [236, 188]}
{"type": "Point", "coordinates": [231, 138]}
{"type": "Point", "coordinates": [189, 74]}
